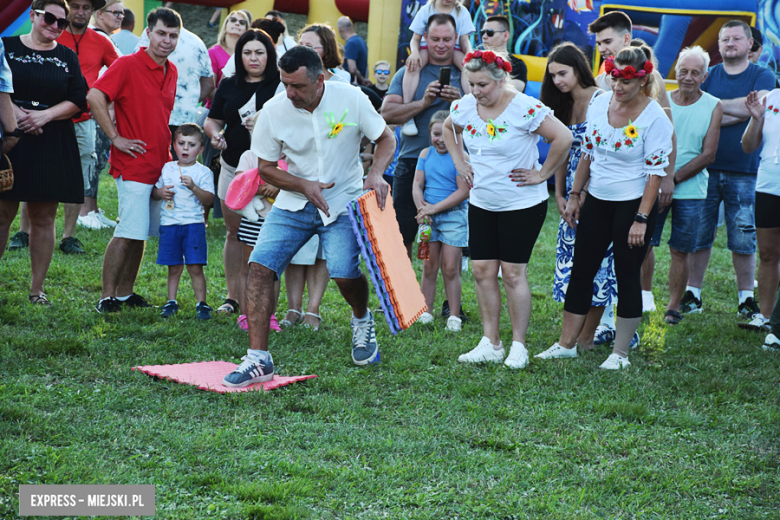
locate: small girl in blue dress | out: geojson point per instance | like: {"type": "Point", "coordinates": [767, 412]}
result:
{"type": "Point", "coordinates": [441, 199]}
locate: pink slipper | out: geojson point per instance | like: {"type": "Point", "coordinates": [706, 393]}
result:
{"type": "Point", "coordinates": [242, 322]}
{"type": "Point", "coordinates": [275, 324]}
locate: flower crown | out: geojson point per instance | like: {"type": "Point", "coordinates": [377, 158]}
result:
{"type": "Point", "coordinates": [627, 72]}
{"type": "Point", "coordinates": [489, 57]}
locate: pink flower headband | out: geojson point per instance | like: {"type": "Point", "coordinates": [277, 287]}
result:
{"type": "Point", "coordinates": [627, 72]}
{"type": "Point", "coordinates": [489, 57]}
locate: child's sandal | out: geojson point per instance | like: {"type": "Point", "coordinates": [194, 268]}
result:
{"type": "Point", "coordinates": [285, 323]}
{"type": "Point", "coordinates": [314, 328]}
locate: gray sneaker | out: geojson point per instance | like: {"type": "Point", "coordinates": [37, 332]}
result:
{"type": "Point", "coordinates": [365, 349]}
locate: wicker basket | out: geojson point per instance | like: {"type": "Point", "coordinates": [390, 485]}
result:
{"type": "Point", "coordinates": [6, 175]}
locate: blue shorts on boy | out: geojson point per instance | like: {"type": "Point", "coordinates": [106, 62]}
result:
{"type": "Point", "coordinates": [183, 229]}
{"type": "Point", "coordinates": [450, 226]}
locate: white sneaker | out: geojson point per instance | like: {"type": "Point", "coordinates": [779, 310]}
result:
{"type": "Point", "coordinates": [104, 219]}
{"type": "Point", "coordinates": [615, 362]}
{"type": "Point", "coordinates": [409, 128]}
{"type": "Point", "coordinates": [557, 351]}
{"type": "Point", "coordinates": [648, 302]}
{"type": "Point", "coordinates": [771, 343]}
{"type": "Point", "coordinates": [425, 318]}
{"type": "Point", "coordinates": [759, 324]}
{"type": "Point", "coordinates": [89, 221]}
{"type": "Point", "coordinates": [483, 353]}
{"type": "Point", "coordinates": [518, 356]}
{"type": "Point", "coordinates": [454, 324]}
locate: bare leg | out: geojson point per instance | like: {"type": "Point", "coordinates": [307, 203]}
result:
{"type": "Point", "coordinates": [317, 278]}
{"type": "Point", "coordinates": [198, 281]}
{"type": "Point", "coordinates": [41, 215]}
{"type": "Point", "coordinates": [430, 274]}
{"type": "Point", "coordinates": [678, 278]}
{"type": "Point", "coordinates": [409, 249]}
{"type": "Point", "coordinates": [450, 271]}
{"type": "Point", "coordinates": [90, 204]}
{"type": "Point", "coordinates": [355, 292]}
{"type": "Point", "coordinates": [119, 252]}
{"type": "Point", "coordinates": [518, 298]}
{"type": "Point", "coordinates": [572, 327]}
{"type": "Point", "coordinates": [648, 268]}
{"type": "Point", "coordinates": [71, 215]}
{"type": "Point", "coordinates": [588, 332]}
{"type": "Point", "coordinates": [769, 268]}
{"type": "Point", "coordinates": [132, 265]}
{"type": "Point", "coordinates": [174, 275]}
{"type": "Point", "coordinates": [697, 265]}
{"type": "Point", "coordinates": [294, 282]}
{"type": "Point", "coordinates": [260, 305]}
{"type": "Point", "coordinates": [24, 222]}
{"type": "Point", "coordinates": [242, 275]}
{"type": "Point", "coordinates": [8, 210]}
{"type": "Point", "coordinates": [488, 297]}
{"type": "Point", "coordinates": [624, 333]}
{"type": "Point", "coordinates": [231, 255]}
{"type": "Point", "coordinates": [745, 267]}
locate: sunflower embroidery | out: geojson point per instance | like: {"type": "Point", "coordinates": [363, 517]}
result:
{"type": "Point", "coordinates": [494, 130]}
{"type": "Point", "coordinates": [336, 127]}
{"type": "Point", "coordinates": [631, 131]}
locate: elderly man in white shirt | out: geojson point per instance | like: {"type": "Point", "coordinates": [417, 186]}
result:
{"type": "Point", "coordinates": [317, 126]}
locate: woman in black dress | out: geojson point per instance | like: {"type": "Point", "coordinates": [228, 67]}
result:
{"type": "Point", "coordinates": [48, 91]}
{"type": "Point", "coordinates": [256, 78]}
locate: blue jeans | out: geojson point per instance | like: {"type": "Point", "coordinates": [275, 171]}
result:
{"type": "Point", "coordinates": [738, 193]}
{"type": "Point", "coordinates": [685, 224]}
{"type": "Point", "coordinates": [285, 232]}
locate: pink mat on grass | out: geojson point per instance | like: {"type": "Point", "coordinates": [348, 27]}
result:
{"type": "Point", "coordinates": [208, 375]}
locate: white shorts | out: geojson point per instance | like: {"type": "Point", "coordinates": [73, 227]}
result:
{"type": "Point", "coordinates": [226, 174]}
{"type": "Point", "coordinates": [139, 215]}
{"type": "Point", "coordinates": [311, 251]}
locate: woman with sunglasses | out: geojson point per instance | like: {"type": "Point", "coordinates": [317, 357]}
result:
{"type": "Point", "coordinates": [234, 26]}
{"type": "Point", "coordinates": [49, 90]}
{"type": "Point", "coordinates": [108, 19]}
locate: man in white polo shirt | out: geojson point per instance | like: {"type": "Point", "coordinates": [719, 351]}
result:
{"type": "Point", "coordinates": [317, 126]}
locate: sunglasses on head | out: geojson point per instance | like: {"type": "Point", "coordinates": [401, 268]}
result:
{"type": "Point", "coordinates": [489, 32]}
{"type": "Point", "coordinates": [50, 19]}
{"type": "Point", "coordinates": [237, 20]}
{"type": "Point", "coordinates": [380, 71]}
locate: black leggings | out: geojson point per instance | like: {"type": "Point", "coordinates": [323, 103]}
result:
{"type": "Point", "coordinates": [602, 222]}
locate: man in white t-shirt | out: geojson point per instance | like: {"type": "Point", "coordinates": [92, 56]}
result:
{"type": "Point", "coordinates": [318, 127]}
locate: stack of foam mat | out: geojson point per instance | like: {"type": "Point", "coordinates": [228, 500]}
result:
{"type": "Point", "coordinates": [388, 265]}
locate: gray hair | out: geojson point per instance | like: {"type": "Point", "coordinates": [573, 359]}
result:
{"type": "Point", "coordinates": [693, 51]}
{"type": "Point", "coordinates": [493, 71]}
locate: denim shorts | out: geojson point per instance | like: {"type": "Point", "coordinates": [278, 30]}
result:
{"type": "Point", "coordinates": [685, 224]}
{"type": "Point", "coordinates": [183, 244]}
{"type": "Point", "coordinates": [738, 193]}
{"type": "Point", "coordinates": [85, 137]}
{"type": "Point", "coordinates": [285, 232]}
{"type": "Point", "coordinates": [451, 226]}
{"type": "Point", "coordinates": [139, 215]}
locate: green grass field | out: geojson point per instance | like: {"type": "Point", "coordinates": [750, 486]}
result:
{"type": "Point", "coordinates": [690, 431]}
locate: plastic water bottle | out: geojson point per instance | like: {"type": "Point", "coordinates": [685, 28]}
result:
{"type": "Point", "coordinates": [423, 239]}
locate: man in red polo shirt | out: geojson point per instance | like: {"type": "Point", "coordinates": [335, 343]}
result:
{"type": "Point", "coordinates": [142, 87]}
{"type": "Point", "coordinates": [94, 52]}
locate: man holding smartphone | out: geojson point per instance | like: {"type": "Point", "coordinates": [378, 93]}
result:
{"type": "Point", "coordinates": [431, 96]}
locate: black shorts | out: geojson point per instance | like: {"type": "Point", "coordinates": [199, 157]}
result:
{"type": "Point", "coordinates": [767, 210]}
{"type": "Point", "coordinates": [405, 209]}
{"type": "Point", "coordinates": [508, 236]}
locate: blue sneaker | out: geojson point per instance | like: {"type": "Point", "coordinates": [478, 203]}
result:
{"type": "Point", "coordinates": [604, 335]}
{"type": "Point", "coordinates": [365, 349]}
{"type": "Point", "coordinates": [203, 311]}
{"type": "Point", "coordinates": [169, 309]}
{"type": "Point", "coordinates": [251, 370]}
{"type": "Point", "coordinates": [635, 340]}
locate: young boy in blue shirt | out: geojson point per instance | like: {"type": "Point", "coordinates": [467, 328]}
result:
{"type": "Point", "coordinates": [185, 187]}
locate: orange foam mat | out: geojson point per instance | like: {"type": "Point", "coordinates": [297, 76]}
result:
{"type": "Point", "coordinates": [208, 375]}
{"type": "Point", "coordinates": [397, 271]}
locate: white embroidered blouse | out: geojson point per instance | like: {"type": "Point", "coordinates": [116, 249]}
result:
{"type": "Point", "coordinates": [622, 159]}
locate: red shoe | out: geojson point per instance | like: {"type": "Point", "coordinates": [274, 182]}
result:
{"type": "Point", "coordinates": [242, 322]}
{"type": "Point", "coordinates": [275, 324]}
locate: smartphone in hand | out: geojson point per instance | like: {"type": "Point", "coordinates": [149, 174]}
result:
{"type": "Point", "coordinates": [444, 76]}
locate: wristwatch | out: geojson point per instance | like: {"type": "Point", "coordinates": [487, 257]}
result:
{"type": "Point", "coordinates": [16, 133]}
{"type": "Point", "coordinates": [640, 217]}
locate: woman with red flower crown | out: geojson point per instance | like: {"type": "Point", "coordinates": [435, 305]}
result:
{"type": "Point", "coordinates": [569, 88]}
{"type": "Point", "coordinates": [624, 170]}
{"type": "Point", "coordinates": [508, 200]}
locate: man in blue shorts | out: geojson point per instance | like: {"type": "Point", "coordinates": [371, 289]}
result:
{"type": "Point", "coordinates": [318, 127]}
{"type": "Point", "coordinates": [733, 174]}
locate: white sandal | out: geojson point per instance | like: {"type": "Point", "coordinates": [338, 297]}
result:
{"type": "Point", "coordinates": [285, 323]}
{"type": "Point", "coordinates": [315, 329]}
